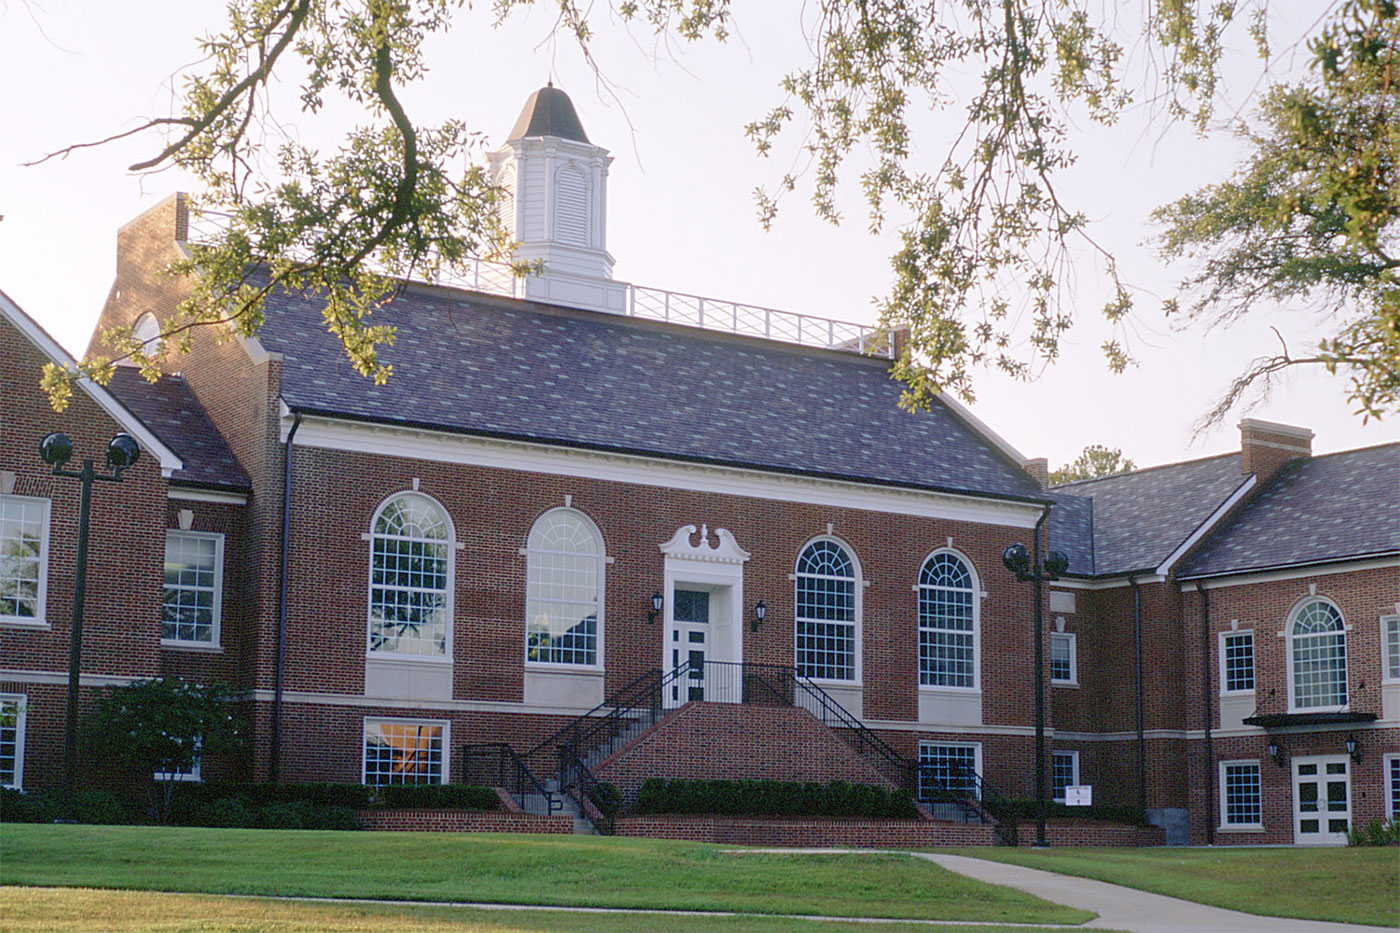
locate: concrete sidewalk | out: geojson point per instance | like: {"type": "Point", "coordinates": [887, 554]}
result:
{"type": "Point", "coordinates": [1121, 908]}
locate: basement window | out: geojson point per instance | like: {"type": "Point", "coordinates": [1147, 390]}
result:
{"type": "Point", "coordinates": [405, 751]}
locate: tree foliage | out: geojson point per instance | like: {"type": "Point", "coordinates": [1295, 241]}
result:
{"type": "Point", "coordinates": [1311, 220]}
{"type": "Point", "coordinates": [1093, 461]}
{"type": "Point", "coordinates": [983, 264]}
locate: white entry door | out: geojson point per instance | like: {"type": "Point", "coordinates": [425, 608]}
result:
{"type": "Point", "coordinates": [690, 642]}
{"type": "Point", "coordinates": [1321, 800]}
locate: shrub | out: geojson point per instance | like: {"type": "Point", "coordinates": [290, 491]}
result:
{"type": "Point", "coordinates": [295, 814]}
{"type": "Point", "coordinates": [606, 797]}
{"type": "Point", "coordinates": [17, 806]}
{"type": "Point", "coordinates": [225, 813]}
{"type": "Point", "coordinates": [1376, 833]}
{"type": "Point", "coordinates": [773, 798]}
{"type": "Point", "coordinates": [100, 807]}
{"type": "Point", "coordinates": [1116, 813]}
{"type": "Point", "coordinates": [460, 796]}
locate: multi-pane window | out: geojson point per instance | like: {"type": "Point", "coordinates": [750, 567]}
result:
{"type": "Point", "coordinates": [170, 771]}
{"type": "Point", "coordinates": [1237, 651]}
{"type": "Point", "coordinates": [403, 751]}
{"type": "Point", "coordinates": [1064, 771]}
{"type": "Point", "coordinates": [12, 710]}
{"type": "Point", "coordinates": [826, 612]}
{"type": "Point", "coordinates": [23, 557]}
{"type": "Point", "coordinates": [193, 581]}
{"type": "Point", "coordinates": [947, 769]}
{"type": "Point", "coordinates": [947, 627]}
{"type": "Point", "coordinates": [1063, 662]}
{"type": "Point", "coordinates": [410, 563]}
{"type": "Point", "coordinates": [1390, 645]}
{"type": "Point", "coordinates": [1393, 774]}
{"type": "Point", "coordinates": [1319, 650]}
{"type": "Point", "coordinates": [563, 589]}
{"type": "Point", "coordinates": [1241, 800]}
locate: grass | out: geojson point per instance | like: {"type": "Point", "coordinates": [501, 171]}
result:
{"type": "Point", "coordinates": [507, 869]}
{"type": "Point", "coordinates": [83, 910]}
{"type": "Point", "coordinates": [1345, 885]}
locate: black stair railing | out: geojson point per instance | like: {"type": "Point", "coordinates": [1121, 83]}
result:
{"type": "Point", "coordinates": [965, 796]}
{"type": "Point", "coordinates": [496, 764]}
{"type": "Point", "coordinates": [598, 802]}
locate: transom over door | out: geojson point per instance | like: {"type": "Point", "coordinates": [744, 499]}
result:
{"type": "Point", "coordinates": [1321, 800]}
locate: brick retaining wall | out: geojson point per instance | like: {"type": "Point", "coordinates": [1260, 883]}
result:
{"type": "Point", "coordinates": [1092, 833]}
{"type": "Point", "coordinates": [769, 832]}
{"type": "Point", "coordinates": [462, 821]}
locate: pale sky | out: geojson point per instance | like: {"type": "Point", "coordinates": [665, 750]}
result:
{"type": "Point", "coordinates": [681, 213]}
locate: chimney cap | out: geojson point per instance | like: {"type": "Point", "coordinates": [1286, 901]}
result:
{"type": "Point", "coordinates": [1255, 426]}
{"type": "Point", "coordinates": [549, 112]}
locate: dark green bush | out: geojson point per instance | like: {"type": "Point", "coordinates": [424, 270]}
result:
{"type": "Point", "coordinates": [606, 797]}
{"type": "Point", "coordinates": [1376, 833]}
{"type": "Point", "coordinates": [226, 813]}
{"type": "Point", "coordinates": [773, 798]}
{"type": "Point", "coordinates": [20, 807]}
{"type": "Point", "coordinates": [101, 807]}
{"type": "Point", "coordinates": [294, 814]}
{"type": "Point", "coordinates": [89, 806]}
{"type": "Point", "coordinates": [456, 796]}
{"type": "Point", "coordinates": [354, 796]}
{"type": "Point", "coordinates": [1025, 810]}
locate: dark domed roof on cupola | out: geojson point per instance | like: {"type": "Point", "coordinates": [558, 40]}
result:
{"type": "Point", "coordinates": [549, 112]}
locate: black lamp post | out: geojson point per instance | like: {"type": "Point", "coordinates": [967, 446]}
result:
{"type": "Point", "coordinates": [56, 450]}
{"type": "Point", "coordinates": [1025, 568]}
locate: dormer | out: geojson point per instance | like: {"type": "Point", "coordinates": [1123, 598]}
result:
{"type": "Point", "coordinates": [555, 204]}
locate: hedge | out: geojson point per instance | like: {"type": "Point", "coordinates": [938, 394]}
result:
{"type": "Point", "coordinates": [90, 806]}
{"type": "Point", "coordinates": [349, 796]}
{"type": "Point", "coordinates": [773, 798]}
{"type": "Point", "coordinates": [1026, 810]}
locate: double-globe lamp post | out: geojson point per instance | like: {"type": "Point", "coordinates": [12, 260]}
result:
{"type": "Point", "coordinates": [1019, 562]}
{"type": "Point", "coordinates": [57, 449]}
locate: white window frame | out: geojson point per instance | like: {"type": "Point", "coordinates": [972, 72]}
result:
{"type": "Point", "coordinates": [1392, 793]}
{"type": "Point", "coordinates": [216, 626]}
{"type": "Point", "coordinates": [39, 619]}
{"type": "Point", "coordinates": [1254, 644]}
{"type": "Point", "coordinates": [976, 685]}
{"type": "Point", "coordinates": [1224, 800]}
{"type": "Point", "coordinates": [976, 754]}
{"type": "Point", "coordinates": [1074, 769]}
{"type": "Point", "coordinates": [1387, 654]}
{"type": "Point", "coordinates": [446, 725]}
{"type": "Point", "coordinates": [450, 542]}
{"type": "Point", "coordinates": [1073, 640]}
{"type": "Point", "coordinates": [1290, 639]}
{"type": "Point", "coordinates": [599, 624]}
{"type": "Point", "coordinates": [857, 615]}
{"type": "Point", "coordinates": [21, 717]}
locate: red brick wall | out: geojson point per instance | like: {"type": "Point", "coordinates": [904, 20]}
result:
{"type": "Point", "coordinates": [722, 741]}
{"type": "Point", "coordinates": [462, 821]}
{"type": "Point", "coordinates": [884, 834]}
{"type": "Point", "coordinates": [1090, 833]}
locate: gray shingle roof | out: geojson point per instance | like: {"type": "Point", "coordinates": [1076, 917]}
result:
{"type": "Point", "coordinates": [1332, 507]}
{"type": "Point", "coordinates": [476, 364]}
{"type": "Point", "coordinates": [169, 408]}
{"type": "Point", "coordinates": [548, 112]}
{"type": "Point", "coordinates": [1136, 520]}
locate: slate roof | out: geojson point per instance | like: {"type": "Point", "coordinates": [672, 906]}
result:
{"type": "Point", "coordinates": [169, 408]}
{"type": "Point", "coordinates": [507, 368]}
{"type": "Point", "coordinates": [1313, 510]}
{"type": "Point", "coordinates": [549, 112]}
{"type": "Point", "coordinates": [1135, 521]}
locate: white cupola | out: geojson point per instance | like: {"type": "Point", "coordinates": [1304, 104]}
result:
{"type": "Point", "coordinates": [555, 204]}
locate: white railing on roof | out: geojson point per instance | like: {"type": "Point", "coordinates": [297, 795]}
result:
{"type": "Point", "coordinates": [655, 304]}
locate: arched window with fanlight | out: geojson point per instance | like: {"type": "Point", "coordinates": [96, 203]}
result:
{"type": "Point", "coordinates": [564, 590]}
{"type": "Point", "coordinates": [947, 622]}
{"type": "Point", "coordinates": [827, 611]}
{"type": "Point", "coordinates": [1317, 672]}
{"type": "Point", "coordinates": [410, 573]}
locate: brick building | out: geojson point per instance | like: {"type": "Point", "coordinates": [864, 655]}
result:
{"type": "Point", "coordinates": [575, 492]}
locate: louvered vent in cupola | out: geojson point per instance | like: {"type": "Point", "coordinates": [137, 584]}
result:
{"type": "Point", "coordinates": [571, 208]}
{"type": "Point", "coordinates": [505, 205]}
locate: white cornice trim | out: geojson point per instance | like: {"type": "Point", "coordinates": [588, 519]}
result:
{"type": "Point", "coordinates": [1206, 526]}
{"type": "Point", "coordinates": [208, 495]}
{"type": "Point", "coordinates": [534, 457]}
{"type": "Point", "coordinates": [1266, 576]}
{"type": "Point", "coordinates": [1070, 584]}
{"type": "Point", "coordinates": [726, 551]}
{"type": "Point", "coordinates": [169, 460]}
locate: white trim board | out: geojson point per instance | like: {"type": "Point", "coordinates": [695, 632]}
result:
{"type": "Point", "coordinates": [217, 496]}
{"type": "Point", "coordinates": [1110, 584]}
{"type": "Point", "coordinates": [27, 326]}
{"type": "Point", "coordinates": [530, 457]}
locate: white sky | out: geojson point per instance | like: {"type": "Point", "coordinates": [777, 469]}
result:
{"type": "Point", "coordinates": [681, 213]}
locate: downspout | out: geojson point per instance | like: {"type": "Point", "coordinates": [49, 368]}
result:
{"type": "Point", "coordinates": [1205, 695]}
{"type": "Point", "coordinates": [1039, 689]}
{"type": "Point", "coordinates": [1137, 649]}
{"type": "Point", "coordinates": [274, 759]}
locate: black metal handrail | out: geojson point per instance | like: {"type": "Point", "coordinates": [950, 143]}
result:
{"type": "Point", "coordinates": [598, 802]}
{"type": "Point", "coordinates": [640, 686]}
{"type": "Point", "coordinates": [496, 764]}
{"type": "Point", "coordinates": [972, 798]}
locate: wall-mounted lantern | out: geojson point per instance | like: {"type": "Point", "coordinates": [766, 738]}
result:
{"type": "Point", "coordinates": [657, 601]}
{"type": "Point", "coordinates": [760, 612]}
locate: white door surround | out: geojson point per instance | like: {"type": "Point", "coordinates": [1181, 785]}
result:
{"type": "Point", "coordinates": [716, 569]}
{"type": "Point", "coordinates": [1321, 800]}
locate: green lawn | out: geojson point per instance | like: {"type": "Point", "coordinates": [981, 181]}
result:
{"type": "Point", "coordinates": [83, 910]}
{"type": "Point", "coordinates": [510, 869]}
{"type": "Point", "coordinates": [1348, 885]}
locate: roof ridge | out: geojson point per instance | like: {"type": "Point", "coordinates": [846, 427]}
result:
{"type": "Point", "coordinates": [1149, 469]}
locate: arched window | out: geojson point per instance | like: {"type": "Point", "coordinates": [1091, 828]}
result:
{"type": "Point", "coordinates": [147, 330]}
{"type": "Point", "coordinates": [410, 577]}
{"type": "Point", "coordinates": [947, 623]}
{"type": "Point", "coordinates": [1318, 648]}
{"type": "Point", "coordinates": [563, 589]}
{"type": "Point", "coordinates": [826, 612]}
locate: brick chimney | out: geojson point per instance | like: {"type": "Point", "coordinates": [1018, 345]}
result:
{"type": "Point", "coordinates": [1038, 470]}
{"type": "Point", "coordinates": [1265, 446]}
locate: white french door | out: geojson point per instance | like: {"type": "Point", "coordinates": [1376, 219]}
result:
{"type": "Point", "coordinates": [1321, 800]}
